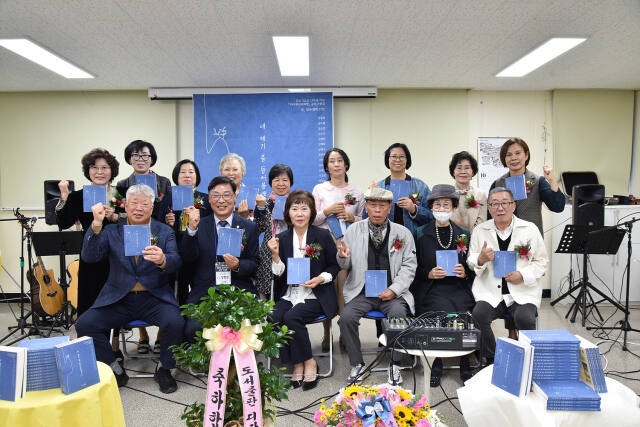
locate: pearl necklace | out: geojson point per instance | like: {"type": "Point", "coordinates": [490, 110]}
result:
{"type": "Point", "coordinates": [450, 236]}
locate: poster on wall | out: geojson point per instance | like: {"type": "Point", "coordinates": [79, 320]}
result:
{"type": "Point", "coordinates": [265, 128]}
{"type": "Point", "coordinates": [489, 166]}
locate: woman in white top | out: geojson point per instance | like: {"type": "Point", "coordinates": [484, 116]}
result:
{"type": "Point", "coordinates": [472, 208]}
{"type": "Point", "coordinates": [337, 197]}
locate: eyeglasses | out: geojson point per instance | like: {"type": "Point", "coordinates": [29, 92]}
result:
{"type": "Point", "coordinates": [144, 157]}
{"type": "Point", "coordinates": [224, 196]}
{"type": "Point", "coordinates": [100, 168]}
{"type": "Point", "coordinates": [505, 205]}
{"type": "Point", "coordinates": [139, 204]}
{"type": "Point", "coordinates": [397, 157]}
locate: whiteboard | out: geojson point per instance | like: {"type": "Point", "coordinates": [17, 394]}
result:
{"type": "Point", "coordinates": [489, 166]}
{"type": "Point", "coordinates": [265, 128]}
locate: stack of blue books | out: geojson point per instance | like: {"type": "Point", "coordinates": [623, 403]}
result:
{"type": "Point", "coordinates": [556, 371]}
{"type": "Point", "coordinates": [568, 395]}
{"type": "Point", "coordinates": [591, 371]}
{"type": "Point", "coordinates": [556, 354]}
{"type": "Point", "coordinates": [42, 373]}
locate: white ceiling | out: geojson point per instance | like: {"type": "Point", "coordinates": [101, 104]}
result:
{"type": "Point", "coordinates": [136, 44]}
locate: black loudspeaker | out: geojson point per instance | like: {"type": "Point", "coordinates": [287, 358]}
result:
{"type": "Point", "coordinates": [51, 199]}
{"type": "Point", "coordinates": [588, 205]}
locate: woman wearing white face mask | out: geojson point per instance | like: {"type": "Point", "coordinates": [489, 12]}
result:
{"type": "Point", "coordinates": [432, 288]}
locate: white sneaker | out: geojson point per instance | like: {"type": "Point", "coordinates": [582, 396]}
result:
{"type": "Point", "coordinates": [394, 375]}
{"type": "Point", "coordinates": [357, 374]}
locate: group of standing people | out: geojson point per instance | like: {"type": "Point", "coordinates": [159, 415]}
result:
{"type": "Point", "coordinates": [400, 237]}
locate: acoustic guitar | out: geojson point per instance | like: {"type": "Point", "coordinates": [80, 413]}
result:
{"type": "Point", "coordinates": [72, 290]}
{"type": "Point", "coordinates": [46, 293]}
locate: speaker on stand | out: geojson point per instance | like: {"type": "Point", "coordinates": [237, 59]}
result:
{"type": "Point", "coordinates": [588, 205]}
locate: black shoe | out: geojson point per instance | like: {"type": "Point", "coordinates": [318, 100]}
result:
{"type": "Point", "coordinates": [308, 385]}
{"type": "Point", "coordinates": [122, 379]}
{"type": "Point", "coordinates": [436, 372]}
{"type": "Point", "coordinates": [295, 383]}
{"type": "Point", "coordinates": [119, 357]}
{"type": "Point", "coordinates": [465, 369]}
{"type": "Point", "coordinates": [165, 380]}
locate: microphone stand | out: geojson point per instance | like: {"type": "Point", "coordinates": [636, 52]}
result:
{"type": "Point", "coordinates": [625, 326]}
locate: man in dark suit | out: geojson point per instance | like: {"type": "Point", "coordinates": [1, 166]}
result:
{"type": "Point", "coordinates": [137, 287]}
{"type": "Point", "coordinates": [199, 245]}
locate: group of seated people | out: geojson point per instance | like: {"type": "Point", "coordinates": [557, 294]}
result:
{"type": "Point", "coordinates": [401, 238]}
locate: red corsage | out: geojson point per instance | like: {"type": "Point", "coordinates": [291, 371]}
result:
{"type": "Point", "coordinates": [197, 202]}
{"type": "Point", "coordinates": [117, 201]}
{"type": "Point", "coordinates": [462, 243]}
{"type": "Point", "coordinates": [312, 251]}
{"type": "Point", "coordinates": [528, 185]}
{"type": "Point", "coordinates": [523, 250]}
{"type": "Point", "coordinates": [159, 198]}
{"type": "Point", "coordinates": [396, 245]}
{"type": "Point", "coordinates": [154, 240]}
{"type": "Point", "coordinates": [471, 202]}
{"type": "Point", "coordinates": [415, 197]}
{"type": "Point", "coordinates": [349, 199]}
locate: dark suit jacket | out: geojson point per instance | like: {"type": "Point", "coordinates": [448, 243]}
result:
{"type": "Point", "coordinates": [201, 249]}
{"type": "Point", "coordinates": [123, 270]}
{"type": "Point", "coordinates": [326, 262]}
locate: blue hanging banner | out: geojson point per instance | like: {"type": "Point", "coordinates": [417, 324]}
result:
{"type": "Point", "coordinates": [265, 128]}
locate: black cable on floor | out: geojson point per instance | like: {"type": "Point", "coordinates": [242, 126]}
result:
{"type": "Point", "coordinates": [156, 396]}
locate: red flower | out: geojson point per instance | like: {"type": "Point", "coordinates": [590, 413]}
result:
{"type": "Point", "coordinates": [523, 251]}
{"type": "Point", "coordinates": [309, 250]}
{"type": "Point", "coordinates": [473, 203]}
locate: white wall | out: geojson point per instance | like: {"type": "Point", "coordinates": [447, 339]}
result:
{"type": "Point", "coordinates": [44, 136]}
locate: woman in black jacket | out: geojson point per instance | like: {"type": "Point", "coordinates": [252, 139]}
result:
{"type": "Point", "coordinates": [432, 288]}
{"type": "Point", "coordinates": [300, 303]}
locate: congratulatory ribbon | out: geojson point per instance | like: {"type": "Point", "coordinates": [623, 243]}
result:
{"type": "Point", "coordinates": [220, 341]}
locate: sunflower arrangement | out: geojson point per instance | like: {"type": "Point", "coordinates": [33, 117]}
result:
{"type": "Point", "coordinates": [378, 406]}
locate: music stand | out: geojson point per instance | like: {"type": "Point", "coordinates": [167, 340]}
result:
{"type": "Point", "coordinates": [586, 240]}
{"type": "Point", "coordinates": [59, 243]}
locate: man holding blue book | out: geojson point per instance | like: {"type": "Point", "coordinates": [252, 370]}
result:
{"type": "Point", "coordinates": [223, 246]}
{"type": "Point", "coordinates": [381, 258]}
{"type": "Point", "coordinates": [509, 257]}
{"type": "Point", "coordinates": [137, 287]}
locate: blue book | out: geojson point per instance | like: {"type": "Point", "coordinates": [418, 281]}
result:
{"type": "Point", "coordinates": [13, 373]}
{"type": "Point", "coordinates": [512, 366]}
{"type": "Point", "coordinates": [278, 208]}
{"type": "Point", "coordinates": [76, 365]}
{"type": "Point", "coordinates": [517, 186]}
{"type": "Point", "coordinates": [399, 188]}
{"type": "Point", "coordinates": [181, 197]}
{"type": "Point", "coordinates": [504, 263]}
{"type": "Point", "coordinates": [148, 179]}
{"type": "Point", "coordinates": [334, 225]}
{"type": "Point", "coordinates": [549, 337]}
{"type": "Point", "coordinates": [447, 260]}
{"type": "Point", "coordinates": [46, 344]}
{"type": "Point", "coordinates": [249, 194]}
{"type": "Point", "coordinates": [136, 238]}
{"type": "Point", "coordinates": [92, 195]}
{"type": "Point", "coordinates": [298, 270]}
{"type": "Point", "coordinates": [229, 241]}
{"type": "Point", "coordinates": [375, 281]}
{"type": "Point", "coordinates": [567, 394]}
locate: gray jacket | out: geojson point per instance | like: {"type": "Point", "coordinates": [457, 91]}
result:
{"type": "Point", "coordinates": [403, 261]}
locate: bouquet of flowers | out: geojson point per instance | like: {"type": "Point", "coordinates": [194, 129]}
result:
{"type": "Point", "coordinates": [378, 406]}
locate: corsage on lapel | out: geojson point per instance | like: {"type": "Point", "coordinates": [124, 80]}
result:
{"type": "Point", "coordinates": [154, 240]}
{"type": "Point", "coordinates": [462, 243]}
{"type": "Point", "coordinates": [523, 250]}
{"type": "Point", "coordinates": [396, 245]}
{"type": "Point", "coordinates": [312, 251]}
{"type": "Point", "coordinates": [197, 202]}
{"type": "Point", "coordinates": [117, 201]}
{"type": "Point", "coordinates": [415, 197]}
{"type": "Point", "coordinates": [471, 202]}
{"type": "Point", "coordinates": [528, 185]}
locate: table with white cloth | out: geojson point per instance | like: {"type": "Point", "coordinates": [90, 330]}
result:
{"type": "Point", "coordinates": [484, 404]}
